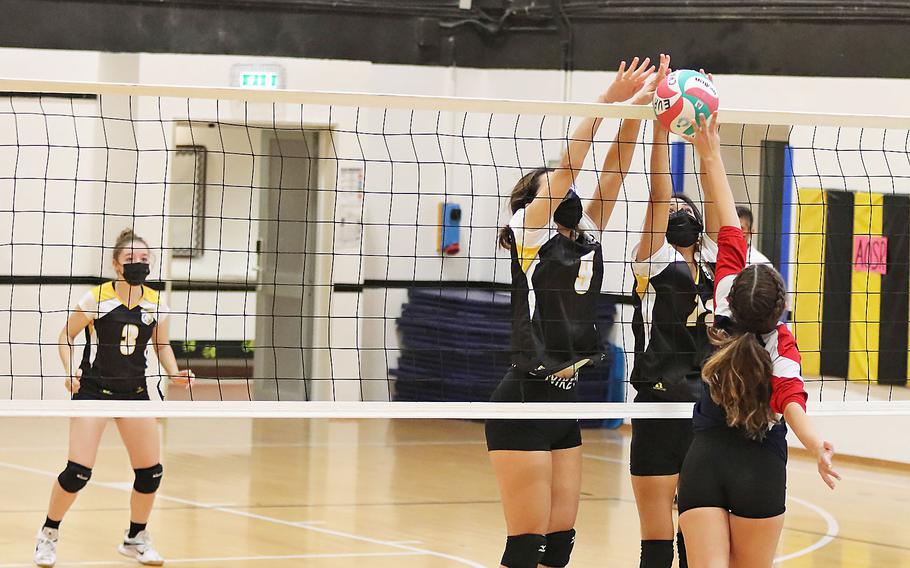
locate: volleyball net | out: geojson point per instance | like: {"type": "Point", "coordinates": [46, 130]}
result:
{"type": "Point", "coordinates": [335, 254]}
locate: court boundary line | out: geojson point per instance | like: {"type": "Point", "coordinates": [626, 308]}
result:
{"type": "Point", "coordinates": [831, 532]}
{"type": "Point", "coordinates": [201, 505]}
{"type": "Point", "coordinates": [227, 559]}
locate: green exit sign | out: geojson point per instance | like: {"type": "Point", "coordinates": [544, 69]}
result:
{"type": "Point", "coordinates": [257, 76]}
{"type": "Point", "coordinates": [259, 80]}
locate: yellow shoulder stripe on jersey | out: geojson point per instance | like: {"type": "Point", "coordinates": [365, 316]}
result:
{"type": "Point", "coordinates": [105, 292]}
{"type": "Point", "coordinates": [526, 256]}
{"type": "Point", "coordinates": [149, 295]}
{"type": "Point", "coordinates": [641, 285]}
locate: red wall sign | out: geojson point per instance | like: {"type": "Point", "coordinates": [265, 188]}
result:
{"type": "Point", "coordinates": [870, 254]}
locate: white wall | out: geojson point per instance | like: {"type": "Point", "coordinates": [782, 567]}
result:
{"type": "Point", "coordinates": [400, 199]}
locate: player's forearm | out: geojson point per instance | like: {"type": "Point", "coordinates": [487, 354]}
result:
{"type": "Point", "coordinates": [718, 192]}
{"type": "Point", "coordinates": [661, 182]}
{"type": "Point", "coordinates": [803, 427]}
{"type": "Point", "coordinates": [615, 167]}
{"type": "Point", "coordinates": [573, 157]}
{"type": "Point", "coordinates": [167, 359]}
{"type": "Point", "coordinates": [65, 350]}
{"type": "Point", "coordinates": [618, 160]}
{"type": "Point", "coordinates": [653, 233]}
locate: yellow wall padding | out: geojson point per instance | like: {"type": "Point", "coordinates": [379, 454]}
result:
{"type": "Point", "coordinates": [809, 280]}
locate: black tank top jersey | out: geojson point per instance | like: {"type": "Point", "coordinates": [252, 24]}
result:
{"type": "Point", "coordinates": [556, 284]}
{"type": "Point", "coordinates": [670, 325]}
{"type": "Point", "coordinates": [119, 335]}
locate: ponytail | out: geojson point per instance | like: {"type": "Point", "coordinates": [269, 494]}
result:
{"type": "Point", "coordinates": [739, 380]}
{"type": "Point", "coordinates": [738, 374]}
{"type": "Point", "coordinates": [505, 238]}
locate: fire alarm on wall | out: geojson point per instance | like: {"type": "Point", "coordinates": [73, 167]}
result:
{"type": "Point", "coordinates": [449, 228]}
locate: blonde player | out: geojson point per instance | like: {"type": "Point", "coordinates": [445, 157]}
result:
{"type": "Point", "coordinates": [125, 316]}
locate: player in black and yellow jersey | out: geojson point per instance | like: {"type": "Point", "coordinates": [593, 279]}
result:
{"type": "Point", "coordinates": [673, 266]}
{"type": "Point", "coordinates": [122, 317]}
{"type": "Point", "coordinates": [557, 271]}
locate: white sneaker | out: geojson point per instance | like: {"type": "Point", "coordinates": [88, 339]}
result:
{"type": "Point", "coordinates": [46, 548]}
{"type": "Point", "coordinates": [141, 549]}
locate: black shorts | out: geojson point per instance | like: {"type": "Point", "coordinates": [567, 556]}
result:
{"type": "Point", "coordinates": [659, 445]}
{"type": "Point", "coordinates": [532, 435]}
{"type": "Point", "coordinates": [93, 389]}
{"type": "Point", "coordinates": [724, 469]}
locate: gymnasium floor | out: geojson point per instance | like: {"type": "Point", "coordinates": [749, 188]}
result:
{"type": "Point", "coordinates": [382, 493]}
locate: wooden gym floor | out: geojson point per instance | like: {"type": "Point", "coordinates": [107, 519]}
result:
{"type": "Point", "coordinates": [383, 493]}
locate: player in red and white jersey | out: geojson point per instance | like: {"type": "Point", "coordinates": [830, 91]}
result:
{"type": "Point", "coordinates": [732, 486]}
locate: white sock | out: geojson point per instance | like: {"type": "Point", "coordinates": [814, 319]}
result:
{"type": "Point", "coordinates": [50, 533]}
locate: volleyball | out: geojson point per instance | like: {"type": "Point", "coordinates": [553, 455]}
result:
{"type": "Point", "coordinates": [681, 97]}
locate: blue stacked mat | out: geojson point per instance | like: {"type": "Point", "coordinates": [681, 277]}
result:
{"type": "Point", "coordinates": [455, 348]}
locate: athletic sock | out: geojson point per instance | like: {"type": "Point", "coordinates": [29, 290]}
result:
{"type": "Point", "coordinates": [656, 554]}
{"type": "Point", "coordinates": [681, 550]}
{"type": "Point", "coordinates": [49, 524]}
{"type": "Point", "coordinates": [135, 529]}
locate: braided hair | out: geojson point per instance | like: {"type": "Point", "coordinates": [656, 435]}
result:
{"type": "Point", "coordinates": [738, 374]}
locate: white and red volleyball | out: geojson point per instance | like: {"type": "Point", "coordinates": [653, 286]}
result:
{"type": "Point", "coordinates": [681, 97]}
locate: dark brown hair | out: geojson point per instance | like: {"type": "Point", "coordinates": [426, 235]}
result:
{"type": "Point", "coordinates": [126, 237]}
{"type": "Point", "coordinates": [744, 212]}
{"type": "Point", "coordinates": [688, 201]}
{"type": "Point", "coordinates": [739, 373]}
{"type": "Point", "coordinates": [523, 193]}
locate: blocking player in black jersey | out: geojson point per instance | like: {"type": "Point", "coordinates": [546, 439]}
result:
{"type": "Point", "coordinates": [673, 268]}
{"type": "Point", "coordinates": [732, 488]}
{"type": "Point", "coordinates": [123, 317]}
{"type": "Point", "coordinates": [557, 270]}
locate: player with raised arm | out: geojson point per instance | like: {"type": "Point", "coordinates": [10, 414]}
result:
{"type": "Point", "coordinates": [732, 488]}
{"type": "Point", "coordinates": [673, 268]}
{"type": "Point", "coordinates": [557, 270]}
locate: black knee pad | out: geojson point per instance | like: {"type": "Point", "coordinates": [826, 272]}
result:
{"type": "Point", "coordinates": [524, 551]}
{"type": "Point", "coordinates": [74, 477]}
{"type": "Point", "coordinates": [559, 549]}
{"type": "Point", "coordinates": [656, 554]}
{"type": "Point", "coordinates": [148, 479]}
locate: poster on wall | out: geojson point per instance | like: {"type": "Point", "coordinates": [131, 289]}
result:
{"type": "Point", "coordinates": [870, 254]}
{"type": "Point", "coordinates": [349, 210]}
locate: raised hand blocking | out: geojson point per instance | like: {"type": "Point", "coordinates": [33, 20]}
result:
{"type": "Point", "coordinates": [627, 81]}
{"type": "Point", "coordinates": [646, 93]}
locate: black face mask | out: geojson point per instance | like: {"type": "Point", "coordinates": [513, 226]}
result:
{"type": "Point", "coordinates": [570, 210]}
{"type": "Point", "coordinates": [683, 229]}
{"type": "Point", "coordinates": [135, 273]}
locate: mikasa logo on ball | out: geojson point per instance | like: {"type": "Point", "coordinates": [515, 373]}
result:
{"type": "Point", "coordinates": [704, 82]}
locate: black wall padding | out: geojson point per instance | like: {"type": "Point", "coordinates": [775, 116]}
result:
{"type": "Point", "coordinates": [821, 38]}
{"type": "Point", "coordinates": [895, 300]}
{"type": "Point", "coordinates": [835, 348]}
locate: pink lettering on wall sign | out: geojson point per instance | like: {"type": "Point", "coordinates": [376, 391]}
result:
{"type": "Point", "coordinates": [870, 254]}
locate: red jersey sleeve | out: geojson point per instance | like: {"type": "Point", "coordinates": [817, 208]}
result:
{"type": "Point", "coordinates": [731, 259]}
{"type": "Point", "coordinates": [786, 376]}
